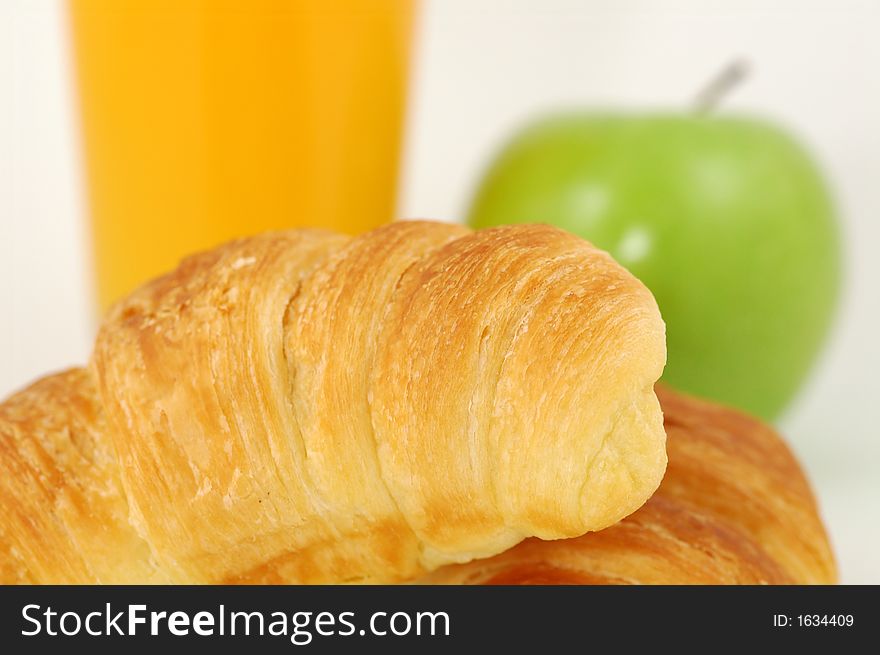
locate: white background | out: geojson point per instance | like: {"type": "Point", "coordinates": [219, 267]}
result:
{"type": "Point", "coordinates": [482, 68]}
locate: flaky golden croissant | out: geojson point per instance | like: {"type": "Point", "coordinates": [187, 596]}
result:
{"type": "Point", "coordinates": [308, 407]}
{"type": "Point", "coordinates": [733, 508]}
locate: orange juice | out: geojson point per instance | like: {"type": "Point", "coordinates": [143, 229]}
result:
{"type": "Point", "coordinates": [204, 120]}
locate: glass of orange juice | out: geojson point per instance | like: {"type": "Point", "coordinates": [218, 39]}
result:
{"type": "Point", "coordinates": [205, 120]}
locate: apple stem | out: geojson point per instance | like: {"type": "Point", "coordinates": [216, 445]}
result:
{"type": "Point", "coordinates": [720, 86]}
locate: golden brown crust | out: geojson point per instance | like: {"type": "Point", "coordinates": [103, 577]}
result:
{"type": "Point", "coordinates": [521, 352]}
{"type": "Point", "coordinates": [733, 508]}
{"type": "Point", "coordinates": [63, 515]}
{"type": "Point", "coordinates": [308, 407]}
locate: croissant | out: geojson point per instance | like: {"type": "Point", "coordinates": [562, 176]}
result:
{"type": "Point", "coordinates": [307, 407]}
{"type": "Point", "coordinates": [733, 508]}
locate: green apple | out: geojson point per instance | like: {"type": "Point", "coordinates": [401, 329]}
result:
{"type": "Point", "coordinates": [726, 219]}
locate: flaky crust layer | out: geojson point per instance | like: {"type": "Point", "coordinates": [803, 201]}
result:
{"type": "Point", "coordinates": [308, 407]}
{"type": "Point", "coordinates": [63, 512]}
{"type": "Point", "coordinates": [733, 508]}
